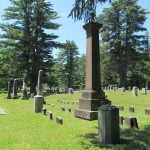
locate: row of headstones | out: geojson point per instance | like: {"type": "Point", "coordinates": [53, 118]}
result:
{"type": "Point", "coordinates": [49, 114]}
{"type": "Point", "coordinates": [15, 96]}
{"type": "Point", "coordinates": [62, 107]}
{"type": "Point", "coordinates": [66, 102]}
{"type": "Point", "coordinates": [57, 90]}
{"type": "Point", "coordinates": [134, 89]}
{"type": "Point", "coordinates": [132, 109]}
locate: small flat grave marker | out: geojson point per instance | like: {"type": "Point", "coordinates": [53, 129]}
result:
{"type": "Point", "coordinates": [68, 109]}
{"type": "Point", "coordinates": [62, 108]}
{"type": "Point", "coordinates": [2, 111]}
{"type": "Point", "coordinates": [52, 105]}
{"type": "Point", "coordinates": [44, 111]}
{"type": "Point", "coordinates": [147, 111]}
{"type": "Point", "coordinates": [131, 109]}
{"type": "Point", "coordinates": [50, 115]}
{"type": "Point", "coordinates": [121, 108]}
{"type": "Point", "coordinates": [59, 120]}
{"type": "Point", "coordinates": [131, 122]}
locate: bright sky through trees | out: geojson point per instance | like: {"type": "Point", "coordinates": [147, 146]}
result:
{"type": "Point", "coordinates": [71, 30]}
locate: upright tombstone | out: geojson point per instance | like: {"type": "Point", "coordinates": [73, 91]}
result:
{"type": "Point", "coordinates": [9, 91]}
{"type": "Point", "coordinates": [15, 96]}
{"type": "Point", "coordinates": [108, 120]}
{"type": "Point", "coordinates": [144, 91]}
{"type": "Point", "coordinates": [24, 91]}
{"type": "Point", "coordinates": [38, 99]}
{"type": "Point", "coordinates": [93, 96]}
{"type": "Point", "coordinates": [135, 92]}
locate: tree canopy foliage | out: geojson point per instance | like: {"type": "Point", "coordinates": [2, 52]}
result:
{"type": "Point", "coordinates": [27, 37]}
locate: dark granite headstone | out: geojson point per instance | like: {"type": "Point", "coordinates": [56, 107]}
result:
{"type": "Point", "coordinates": [108, 119]}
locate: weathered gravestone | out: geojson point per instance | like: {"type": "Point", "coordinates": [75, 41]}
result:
{"type": "Point", "coordinates": [108, 119]}
{"type": "Point", "coordinates": [62, 108]}
{"type": "Point", "coordinates": [43, 111]}
{"type": "Point", "coordinates": [9, 91]}
{"type": "Point", "coordinates": [15, 96]}
{"type": "Point", "coordinates": [71, 90]}
{"type": "Point", "coordinates": [2, 111]}
{"type": "Point", "coordinates": [50, 115]}
{"type": "Point", "coordinates": [68, 109]}
{"type": "Point", "coordinates": [93, 96]}
{"type": "Point", "coordinates": [147, 111]}
{"type": "Point", "coordinates": [121, 89]}
{"type": "Point", "coordinates": [144, 91]}
{"type": "Point", "coordinates": [129, 88]}
{"type": "Point", "coordinates": [32, 95]}
{"type": "Point", "coordinates": [24, 92]}
{"type": "Point", "coordinates": [131, 122]}
{"type": "Point", "coordinates": [52, 105]}
{"type": "Point", "coordinates": [121, 108]}
{"type": "Point", "coordinates": [59, 120]}
{"type": "Point", "coordinates": [121, 119]}
{"type": "Point", "coordinates": [135, 91]}
{"type": "Point", "coordinates": [38, 99]}
{"type": "Point", "coordinates": [131, 109]}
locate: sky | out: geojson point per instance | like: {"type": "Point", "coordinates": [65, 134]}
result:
{"type": "Point", "coordinates": [69, 29]}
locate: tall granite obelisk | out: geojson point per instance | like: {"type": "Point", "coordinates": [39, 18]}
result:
{"type": "Point", "coordinates": [93, 96]}
{"type": "Point", "coordinates": [38, 99]}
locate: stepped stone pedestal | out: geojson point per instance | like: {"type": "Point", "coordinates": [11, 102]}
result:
{"type": "Point", "coordinates": [93, 96]}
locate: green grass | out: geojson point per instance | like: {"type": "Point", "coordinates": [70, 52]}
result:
{"type": "Point", "coordinates": [21, 129]}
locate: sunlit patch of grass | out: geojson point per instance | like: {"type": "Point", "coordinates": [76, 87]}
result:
{"type": "Point", "coordinates": [22, 129]}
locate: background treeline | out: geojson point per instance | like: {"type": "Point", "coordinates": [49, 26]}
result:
{"type": "Point", "coordinates": [27, 41]}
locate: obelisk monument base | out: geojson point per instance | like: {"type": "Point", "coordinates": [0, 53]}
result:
{"type": "Point", "coordinates": [93, 96]}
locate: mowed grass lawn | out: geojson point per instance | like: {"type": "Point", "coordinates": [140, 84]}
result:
{"type": "Point", "coordinates": [21, 129]}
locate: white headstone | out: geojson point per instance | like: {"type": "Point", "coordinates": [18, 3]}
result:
{"type": "Point", "coordinates": [135, 92]}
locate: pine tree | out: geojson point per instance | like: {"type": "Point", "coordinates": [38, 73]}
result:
{"type": "Point", "coordinates": [122, 23]}
{"type": "Point", "coordinates": [26, 32]}
{"type": "Point", "coordinates": [85, 9]}
{"type": "Point", "coordinates": [67, 64]}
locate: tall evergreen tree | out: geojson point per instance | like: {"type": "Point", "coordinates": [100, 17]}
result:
{"type": "Point", "coordinates": [28, 36]}
{"type": "Point", "coordinates": [67, 64]}
{"type": "Point", "coordinates": [85, 9]}
{"type": "Point", "coordinates": [122, 23]}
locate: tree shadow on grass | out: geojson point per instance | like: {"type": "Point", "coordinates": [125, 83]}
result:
{"type": "Point", "coordinates": [130, 139]}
